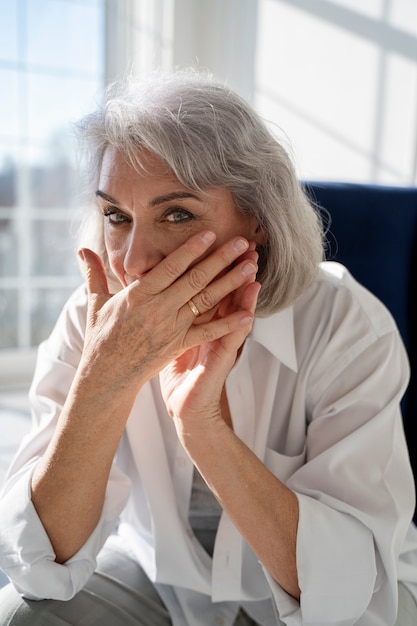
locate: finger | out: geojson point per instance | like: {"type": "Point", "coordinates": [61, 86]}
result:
{"type": "Point", "coordinates": [230, 301]}
{"type": "Point", "coordinates": [221, 360]}
{"type": "Point", "coordinates": [250, 253]}
{"type": "Point", "coordinates": [95, 274]}
{"type": "Point", "coordinates": [248, 303]}
{"type": "Point", "coordinates": [240, 298]}
{"type": "Point", "coordinates": [220, 327]}
{"type": "Point", "coordinates": [175, 264]}
{"type": "Point", "coordinates": [189, 274]}
{"type": "Point", "coordinates": [234, 280]}
{"type": "Point", "coordinates": [250, 297]}
{"type": "Point", "coordinates": [216, 264]}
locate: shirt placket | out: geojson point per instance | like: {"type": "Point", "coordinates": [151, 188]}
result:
{"type": "Point", "coordinates": [228, 549]}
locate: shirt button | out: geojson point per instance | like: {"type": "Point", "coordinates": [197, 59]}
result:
{"type": "Point", "coordinates": [219, 621]}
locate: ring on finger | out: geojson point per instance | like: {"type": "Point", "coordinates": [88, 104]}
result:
{"type": "Point", "coordinates": [193, 307]}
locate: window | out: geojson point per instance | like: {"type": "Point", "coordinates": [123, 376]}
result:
{"type": "Point", "coordinates": [338, 76]}
{"type": "Point", "coordinates": [52, 70]}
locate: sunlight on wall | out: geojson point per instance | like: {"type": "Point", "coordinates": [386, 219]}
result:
{"type": "Point", "coordinates": [342, 85]}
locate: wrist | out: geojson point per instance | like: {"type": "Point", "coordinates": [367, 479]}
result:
{"type": "Point", "coordinates": [101, 395]}
{"type": "Point", "coordinates": [202, 433]}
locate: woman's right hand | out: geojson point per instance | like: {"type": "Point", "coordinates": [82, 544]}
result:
{"type": "Point", "coordinates": [135, 333]}
{"type": "Point", "coordinates": [130, 336]}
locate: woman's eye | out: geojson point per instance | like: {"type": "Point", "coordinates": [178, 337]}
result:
{"type": "Point", "coordinates": [178, 215]}
{"type": "Point", "coordinates": [115, 217]}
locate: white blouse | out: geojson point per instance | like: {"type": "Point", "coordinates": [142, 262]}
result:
{"type": "Point", "coordinates": [315, 394]}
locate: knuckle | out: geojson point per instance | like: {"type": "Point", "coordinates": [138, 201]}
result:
{"type": "Point", "coordinates": [227, 256]}
{"type": "Point", "coordinates": [173, 268]}
{"type": "Point", "coordinates": [206, 299]}
{"type": "Point", "coordinates": [208, 335]}
{"type": "Point", "coordinates": [197, 278]}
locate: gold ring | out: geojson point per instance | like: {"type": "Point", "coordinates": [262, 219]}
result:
{"type": "Point", "coordinates": [193, 308]}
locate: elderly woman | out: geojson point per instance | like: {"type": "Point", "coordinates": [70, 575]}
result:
{"type": "Point", "coordinates": [217, 436]}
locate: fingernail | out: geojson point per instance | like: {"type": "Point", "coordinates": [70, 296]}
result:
{"type": "Point", "coordinates": [208, 237]}
{"type": "Point", "coordinates": [248, 269]}
{"type": "Point", "coordinates": [241, 245]}
{"type": "Point", "coordinates": [81, 254]}
{"type": "Point", "coordinates": [246, 320]}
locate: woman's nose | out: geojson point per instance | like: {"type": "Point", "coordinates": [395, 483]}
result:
{"type": "Point", "coordinates": [141, 255]}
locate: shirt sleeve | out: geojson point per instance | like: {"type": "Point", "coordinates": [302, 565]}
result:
{"type": "Point", "coordinates": [26, 554]}
{"type": "Point", "coordinates": [355, 489]}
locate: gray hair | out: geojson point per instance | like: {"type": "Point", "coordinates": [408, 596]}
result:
{"type": "Point", "coordinates": [210, 137]}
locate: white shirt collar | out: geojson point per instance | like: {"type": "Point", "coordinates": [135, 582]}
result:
{"type": "Point", "coordinates": [276, 334]}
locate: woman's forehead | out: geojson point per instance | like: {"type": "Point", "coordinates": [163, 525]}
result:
{"type": "Point", "coordinates": [142, 162]}
{"type": "Point", "coordinates": [117, 175]}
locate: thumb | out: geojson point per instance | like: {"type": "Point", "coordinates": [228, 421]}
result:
{"type": "Point", "coordinates": [95, 274]}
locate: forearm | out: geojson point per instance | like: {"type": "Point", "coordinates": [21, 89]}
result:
{"type": "Point", "coordinates": [262, 508]}
{"type": "Point", "coordinates": [130, 337]}
{"type": "Point", "coordinates": [69, 482]}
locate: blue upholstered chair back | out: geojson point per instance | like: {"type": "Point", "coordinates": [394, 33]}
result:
{"type": "Point", "coordinates": [373, 231]}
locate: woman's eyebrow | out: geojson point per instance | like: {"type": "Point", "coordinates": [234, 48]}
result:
{"type": "Point", "coordinates": [168, 197]}
{"type": "Point", "coordinates": [106, 197]}
{"type": "Point", "coordinates": [174, 195]}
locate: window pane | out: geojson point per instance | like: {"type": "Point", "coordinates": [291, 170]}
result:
{"type": "Point", "coordinates": [53, 249]}
{"type": "Point", "coordinates": [8, 178]}
{"type": "Point", "coordinates": [51, 73]}
{"type": "Point", "coordinates": [65, 35]}
{"type": "Point", "coordinates": [56, 102]}
{"type": "Point", "coordinates": [46, 307]}
{"type": "Point", "coordinates": [9, 106]}
{"type": "Point", "coordinates": [53, 179]}
{"type": "Point", "coordinates": [8, 247]}
{"type": "Point", "coordinates": [8, 39]}
{"type": "Point", "coordinates": [8, 315]}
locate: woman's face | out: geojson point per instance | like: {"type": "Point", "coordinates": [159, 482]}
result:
{"type": "Point", "coordinates": [147, 216]}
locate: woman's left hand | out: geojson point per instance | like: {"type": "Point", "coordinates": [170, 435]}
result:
{"type": "Point", "coordinates": [192, 387]}
{"type": "Point", "coordinates": [192, 384]}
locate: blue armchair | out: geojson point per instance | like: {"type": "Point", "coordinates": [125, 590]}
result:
{"type": "Point", "coordinates": [373, 231]}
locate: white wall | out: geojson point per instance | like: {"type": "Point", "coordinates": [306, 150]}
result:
{"type": "Point", "coordinates": [339, 77]}
{"type": "Point", "coordinates": [218, 35]}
